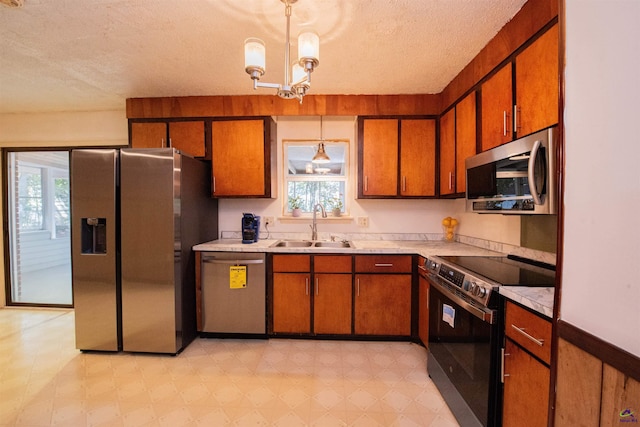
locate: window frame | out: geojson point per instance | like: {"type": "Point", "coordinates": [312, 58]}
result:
{"type": "Point", "coordinates": [345, 178]}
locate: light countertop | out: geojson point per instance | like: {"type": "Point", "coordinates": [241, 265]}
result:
{"type": "Point", "coordinates": [424, 248]}
{"type": "Point", "coordinates": [538, 299]}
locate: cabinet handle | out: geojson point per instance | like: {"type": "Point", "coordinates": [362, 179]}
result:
{"type": "Point", "coordinates": [540, 342]}
{"type": "Point", "coordinates": [170, 143]}
{"type": "Point", "coordinates": [404, 183]}
{"type": "Point", "coordinates": [502, 374]}
{"type": "Point", "coordinates": [504, 123]}
{"type": "Point", "coordinates": [383, 265]}
{"type": "Point", "coordinates": [450, 180]}
{"type": "Point", "coordinates": [515, 118]}
{"type": "Point", "coordinates": [306, 286]}
{"type": "Point", "coordinates": [358, 286]}
{"type": "Point", "coordinates": [366, 183]}
{"type": "Point", "coordinates": [214, 184]}
{"type": "Point", "coordinates": [317, 286]}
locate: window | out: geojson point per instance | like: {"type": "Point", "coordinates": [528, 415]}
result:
{"type": "Point", "coordinates": [307, 183]}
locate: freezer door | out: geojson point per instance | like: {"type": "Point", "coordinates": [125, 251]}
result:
{"type": "Point", "coordinates": [93, 248]}
{"type": "Point", "coordinates": [149, 210]}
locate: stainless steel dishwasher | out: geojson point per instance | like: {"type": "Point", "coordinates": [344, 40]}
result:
{"type": "Point", "coordinates": [233, 293]}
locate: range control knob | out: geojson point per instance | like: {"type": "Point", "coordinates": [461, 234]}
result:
{"type": "Point", "coordinates": [479, 291]}
{"type": "Point", "coordinates": [472, 287]}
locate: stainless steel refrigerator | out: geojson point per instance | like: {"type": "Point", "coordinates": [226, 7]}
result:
{"type": "Point", "coordinates": [136, 213]}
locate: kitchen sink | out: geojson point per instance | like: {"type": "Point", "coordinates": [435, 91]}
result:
{"type": "Point", "coordinates": [311, 243]}
{"type": "Point", "coordinates": [293, 244]}
{"type": "Point", "coordinates": [333, 245]}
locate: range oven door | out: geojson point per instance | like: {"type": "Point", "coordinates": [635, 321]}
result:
{"type": "Point", "coordinates": [463, 356]}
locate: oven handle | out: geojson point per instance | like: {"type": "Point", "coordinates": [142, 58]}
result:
{"type": "Point", "coordinates": [487, 316]}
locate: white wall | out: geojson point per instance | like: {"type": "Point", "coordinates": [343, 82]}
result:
{"type": "Point", "coordinates": [600, 289]}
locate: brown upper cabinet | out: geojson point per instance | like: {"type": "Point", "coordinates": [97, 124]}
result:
{"type": "Point", "coordinates": [186, 136]}
{"type": "Point", "coordinates": [457, 142]}
{"type": "Point", "coordinates": [148, 135]}
{"type": "Point", "coordinates": [448, 152]}
{"type": "Point", "coordinates": [510, 112]}
{"type": "Point", "coordinates": [396, 157]}
{"type": "Point", "coordinates": [466, 142]}
{"type": "Point", "coordinates": [243, 158]}
{"type": "Point", "coordinates": [537, 88]}
{"type": "Point", "coordinates": [496, 109]}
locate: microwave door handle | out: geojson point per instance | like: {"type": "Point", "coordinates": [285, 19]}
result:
{"type": "Point", "coordinates": [531, 175]}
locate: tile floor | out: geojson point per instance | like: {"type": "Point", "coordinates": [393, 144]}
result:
{"type": "Point", "coordinates": [45, 381]}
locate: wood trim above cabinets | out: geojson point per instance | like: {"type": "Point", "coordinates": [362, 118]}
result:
{"type": "Point", "coordinates": [271, 105]}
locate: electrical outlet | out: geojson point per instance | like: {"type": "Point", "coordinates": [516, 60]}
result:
{"type": "Point", "coordinates": [269, 221]}
{"type": "Point", "coordinates": [363, 221]}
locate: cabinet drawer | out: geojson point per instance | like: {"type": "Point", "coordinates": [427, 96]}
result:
{"type": "Point", "coordinates": [529, 330]}
{"type": "Point", "coordinates": [383, 263]}
{"type": "Point", "coordinates": [291, 263]}
{"type": "Point", "coordinates": [332, 263]}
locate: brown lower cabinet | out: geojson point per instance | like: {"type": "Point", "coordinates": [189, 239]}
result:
{"type": "Point", "coordinates": [332, 304]}
{"type": "Point", "coordinates": [526, 388]}
{"type": "Point", "coordinates": [297, 294]}
{"type": "Point", "coordinates": [291, 303]}
{"type": "Point", "coordinates": [383, 304]}
{"type": "Point", "coordinates": [527, 356]}
{"type": "Point", "coordinates": [332, 296]}
{"type": "Point", "coordinates": [319, 294]}
{"type": "Point", "coordinates": [291, 298]}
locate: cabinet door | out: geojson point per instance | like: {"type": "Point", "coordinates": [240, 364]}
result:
{"type": "Point", "coordinates": [379, 157]}
{"type": "Point", "coordinates": [537, 84]}
{"type": "Point", "coordinates": [465, 138]}
{"type": "Point", "coordinates": [238, 158]}
{"type": "Point", "coordinates": [291, 303]}
{"type": "Point", "coordinates": [417, 157]}
{"type": "Point", "coordinates": [496, 102]}
{"type": "Point", "coordinates": [423, 311]}
{"type": "Point", "coordinates": [148, 135]}
{"type": "Point", "coordinates": [526, 388]}
{"type": "Point", "coordinates": [383, 304]}
{"type": "Point", "coordinates": [448, 152]}
{"type": "Point", "coordinates": [332, 304]}
{"type": "Point", "coordinates": [188, 137]}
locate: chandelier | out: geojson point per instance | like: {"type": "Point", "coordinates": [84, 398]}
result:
{"type": "Point", "coordinates": [297, 76]}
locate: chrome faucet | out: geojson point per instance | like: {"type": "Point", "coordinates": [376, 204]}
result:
{"type": "Point", "coordinates": [314, 225]}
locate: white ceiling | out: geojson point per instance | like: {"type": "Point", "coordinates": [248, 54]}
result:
{"type": "Point", "coordinates": [87, 55]}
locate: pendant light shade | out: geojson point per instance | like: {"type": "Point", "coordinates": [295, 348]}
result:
{"type": "Point", "coordinates": [321, 155]}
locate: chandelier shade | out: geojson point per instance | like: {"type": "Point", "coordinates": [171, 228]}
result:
{"type": "Point", "coordinates": [297, 75]}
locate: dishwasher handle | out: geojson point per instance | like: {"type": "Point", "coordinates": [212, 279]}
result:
{"type": "Point", "coordinates": [232, 261]}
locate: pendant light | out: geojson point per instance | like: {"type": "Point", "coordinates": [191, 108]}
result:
{"type": "Point", "coordinates": [321, 155]}
{"type": "Point", "coordinates": [297, 76]}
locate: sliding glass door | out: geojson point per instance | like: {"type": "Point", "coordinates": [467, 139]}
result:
{"type": "Point", "coordinates": [38, 210]}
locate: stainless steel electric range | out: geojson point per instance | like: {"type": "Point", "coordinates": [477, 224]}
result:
{"type": "Point", "coordinates": [465, 333]}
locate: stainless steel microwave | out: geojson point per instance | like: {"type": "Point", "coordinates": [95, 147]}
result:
{"type": "Point", "coordinates": [518, 177]}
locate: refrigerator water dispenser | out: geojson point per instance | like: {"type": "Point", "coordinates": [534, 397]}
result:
{"type": "Point", "coordinates": [94, 235]}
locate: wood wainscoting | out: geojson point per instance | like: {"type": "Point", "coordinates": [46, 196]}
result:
{"type": "Point", "coordinates": [597, 383]}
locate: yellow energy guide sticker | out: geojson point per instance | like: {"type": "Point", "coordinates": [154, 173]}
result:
{"type": "Point", "coordinates": [238, 276]}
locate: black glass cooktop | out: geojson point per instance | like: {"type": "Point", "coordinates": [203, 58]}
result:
{"type": "Point", "coordinates": [506, 270]}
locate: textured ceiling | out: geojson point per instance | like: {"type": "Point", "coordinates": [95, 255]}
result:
{"type": "Point", "coordinates": [79, 55]}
